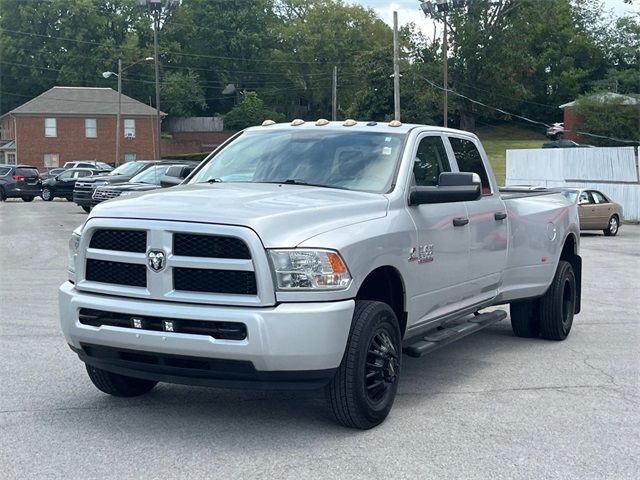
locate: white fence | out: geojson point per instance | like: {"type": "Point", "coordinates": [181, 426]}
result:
{"type": "Point", "coordinates": [612, 170]}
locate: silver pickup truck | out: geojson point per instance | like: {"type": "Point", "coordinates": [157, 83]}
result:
{"type": "Point", "coordinates": [311, 255]}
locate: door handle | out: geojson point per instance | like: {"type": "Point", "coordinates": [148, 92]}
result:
{"type": "Point", "coordinates": [460, 221]}
{"type": "Point", "coordinates": [500, 215]}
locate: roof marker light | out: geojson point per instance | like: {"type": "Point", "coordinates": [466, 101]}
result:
{"type": "Point", "coordinates": [395, 123]}
{"type": "Point", "coordinates": [322, 122]}
{"type": "Point", "coordinates": [297, 122]}
{"type": "Point", "coordinates": [349, 122]}
{"type": "Point", "coordinates": [266, 123]}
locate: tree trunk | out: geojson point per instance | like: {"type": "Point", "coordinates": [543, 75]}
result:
{"type": "Point", "coordinates": [467, 121]}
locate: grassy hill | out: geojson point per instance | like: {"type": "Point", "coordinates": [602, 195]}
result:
{"type": "Point", "coordinates": [497, 139]}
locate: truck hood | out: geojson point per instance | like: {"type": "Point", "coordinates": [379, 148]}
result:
{"type": "Point", "coordinates": [282, 215]}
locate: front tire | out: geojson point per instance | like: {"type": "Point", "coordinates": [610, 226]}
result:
{"type": "Point", "coordinates": [86, 209]}
{"type": "Point", "coordinates": [47, 194]}
{"type": "Point", "coordinates": [363, 389]}
{"type": "Point", "coordinates": [119, 385]}
{"type": "Point", "coordinates": [612, 227]}
{"type": "Point", "coordinates": [3, 196]}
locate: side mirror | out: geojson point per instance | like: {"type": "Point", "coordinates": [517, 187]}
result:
{"type": "Point", "coordinates": [169, 181]}
{"type": "Point", "coordinates": [452, 187]}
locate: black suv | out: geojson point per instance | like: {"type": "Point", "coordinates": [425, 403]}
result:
{"type": "Point", "coordinates": [62, 184]}
{"type": "Point", "coordinates": [19, 181]}
{"type": "Point", "coordinates": [148, 179]}
{"type": "Point", "coordinates": [84, 188]}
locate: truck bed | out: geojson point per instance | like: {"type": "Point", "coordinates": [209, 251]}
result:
{"type": "Point", "coordinates": [508, 193]}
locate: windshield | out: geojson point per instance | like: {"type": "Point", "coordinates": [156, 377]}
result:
{"type": "Point", "coordinates": [570, 195]}
{"type": "Point", "coordinates": [351, 160]}
{"type": "Point", "coordinates": [150, 175]}
{"type": "Point", "coordinates": [130, 168]}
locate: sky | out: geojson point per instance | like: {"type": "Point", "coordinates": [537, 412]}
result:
{"type": "Point", "coordinates": [409, 11]}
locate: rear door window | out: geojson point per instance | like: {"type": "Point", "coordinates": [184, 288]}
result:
{"type": "Point", "coordinates": [599, 198]}
{"type": "Point", "coordinates": [430, 161]}
{"type": "Point", "coordinates": [4, 171]}
{"type": "Point", "coordinates": [470, 160]}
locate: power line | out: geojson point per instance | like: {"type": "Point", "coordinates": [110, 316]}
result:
{"type": "Point", "coordinates": [529, 120]}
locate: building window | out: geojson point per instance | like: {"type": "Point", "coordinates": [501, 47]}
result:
{"type": "Point", "coordinates": [129, 157]}
{"type": "Point", "coordinates": [129, 128]}
{"type": "Point", "coordinates": [50, 127]}
{"type": "Point", "coordinates": [51, 160]}
{"type": "Point", "coordinates": [11, 158]}
{"type": "Point", "coordinates": [90, 128]}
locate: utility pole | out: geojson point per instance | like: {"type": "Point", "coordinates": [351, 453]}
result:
{"type": "Point", "coordinates": [445, 60]}
{"type": "Point", "coordinates": [438, 10]}
{"type": "Point", "coordinates": [334, 95]}
{"type": "Point", "coordinates": [156, 27]}
{"type": "Point", "coordinates": [396, 69]}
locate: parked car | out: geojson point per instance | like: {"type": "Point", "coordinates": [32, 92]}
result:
{"type": "Point", "coordinates": [565, 144]}
{"type": "Point", "coordinates": [83, 191]}
{"type": "Point", "coordinates": [19, 181]}
{"type": "Point", "coordinates": [313, 255]}
{"type": "Point", "coordinates": [88, 164]}
{"type": "Point", "coordinates": [149, 179]}
{"type": "Point", "coordinates": [556, 131]}
{"type": "Point", "coordinates": [597, 211]}
{"type": "Point", "coordinates": [52, 173]}
{"type": "Point", "coordinates": [62, 185]}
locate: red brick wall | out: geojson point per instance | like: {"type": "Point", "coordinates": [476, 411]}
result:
{"type": "Point", "coordinates": [72, 144]}
{"type": "Point", "coordinates": [570, 121]}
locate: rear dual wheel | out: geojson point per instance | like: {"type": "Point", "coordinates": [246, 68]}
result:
{"type": "Point", "coordinates": [550, 316]}
{"type": "Point", "coordinates": [363, 390]}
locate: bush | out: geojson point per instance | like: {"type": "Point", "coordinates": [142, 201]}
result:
{"type": "Point", "coordinates": [249, 112]}
{"type": "Point", "coordinates": [607, 117]}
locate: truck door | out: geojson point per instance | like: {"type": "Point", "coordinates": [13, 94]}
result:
{"type": "Point", "coordinates": [488, 220]}
{"type": "Point", "coordinates": [438, 264]}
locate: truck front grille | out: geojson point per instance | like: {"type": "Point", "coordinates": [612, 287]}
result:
{"type": "Point", "coordinates": [101, 194]}
{"type": "Point", "coordinates": [120, 240]}
{"type": "Point", "coordinates": [174, 261]}
{"type": "Point", "coordinates": [214, 281]}
{"type": "Point", "coordinates": [209, 246]}
{"type": "Point", "coordinates": [116, 273]}
{"type": "Point", "coordinates": [219, 330]}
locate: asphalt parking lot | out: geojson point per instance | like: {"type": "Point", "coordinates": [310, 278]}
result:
{"type": "Point", "coordinates": [489, 406]}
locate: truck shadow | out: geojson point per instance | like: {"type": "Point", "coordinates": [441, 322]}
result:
{"type": "Point", "coordinates": [227, 412]}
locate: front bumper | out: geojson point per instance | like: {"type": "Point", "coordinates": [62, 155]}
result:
{"type": "Point", "coordinates": [82, 198]}
{"type": "Point", "coordinates": [285, 344]}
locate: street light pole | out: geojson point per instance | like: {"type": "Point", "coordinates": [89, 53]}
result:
{"type": "Point", "coordinates": [118, 116]}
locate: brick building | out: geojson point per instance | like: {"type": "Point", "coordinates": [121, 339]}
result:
{"type": "Point", "coordinates": [77, 123]}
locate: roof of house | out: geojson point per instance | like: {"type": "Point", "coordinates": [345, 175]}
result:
{"type": "Point", "coordinates": [606, 96]}
{"type": "Point", "coordinates": [82, 101]}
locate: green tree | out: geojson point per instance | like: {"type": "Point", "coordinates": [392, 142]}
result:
{"type": "Point", "coordinates": [182, 94]}
{"type": "Point", "coordinates": [613, 117]}
{"type": "Point", "coordinates": [249, 112]}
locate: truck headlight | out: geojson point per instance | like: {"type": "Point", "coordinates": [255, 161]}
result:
{"type": "Point", "coordinates": [303, 269]}
{"type": "Point", "coordinates": [74, 244]}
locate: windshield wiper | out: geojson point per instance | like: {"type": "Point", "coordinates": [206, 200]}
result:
{"type": "Point", "coordinates": [293, 181]}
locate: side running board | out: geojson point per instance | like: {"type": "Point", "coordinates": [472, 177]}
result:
{"type": "Point", "coordinates": [456, 330]}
